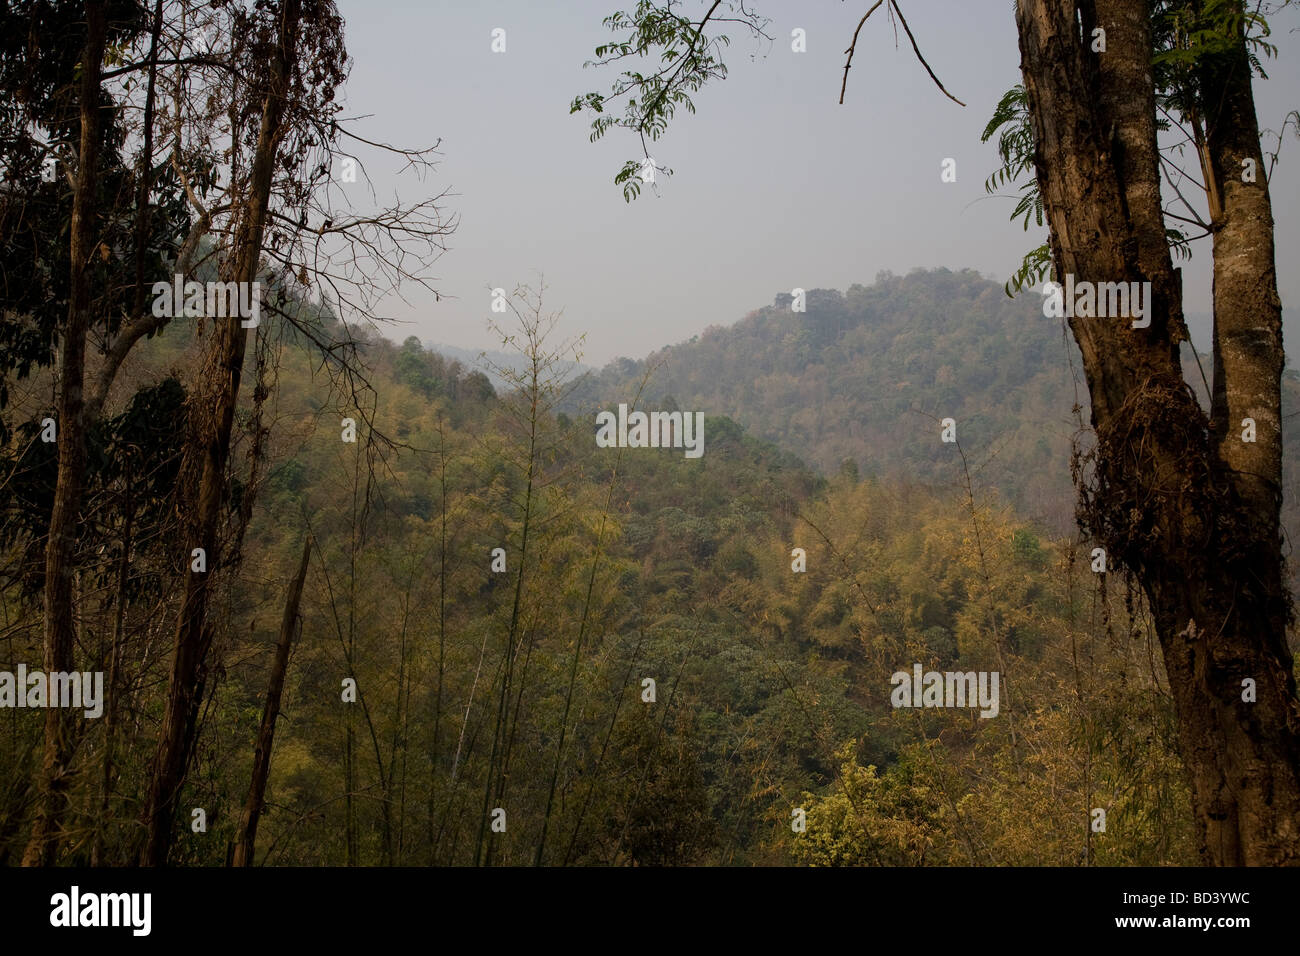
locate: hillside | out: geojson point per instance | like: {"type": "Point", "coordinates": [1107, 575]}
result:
{"type": "Point", "coordinates": [663, 674]}
{"type": "Point", "coordinates": [864, 376]}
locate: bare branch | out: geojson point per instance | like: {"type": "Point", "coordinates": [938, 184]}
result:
{"type": "Point", "coordinates": [853, 48]}
{"type": "Point", "coordinates": [917, 50]}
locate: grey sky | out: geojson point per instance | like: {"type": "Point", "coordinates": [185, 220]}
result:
{"type": "Point", "coordinates": [775, 185]}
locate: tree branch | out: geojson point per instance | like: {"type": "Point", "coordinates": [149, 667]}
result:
{"type": "Point", "coordinates": [853, 48]}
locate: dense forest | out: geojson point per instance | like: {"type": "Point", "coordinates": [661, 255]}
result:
{"type": "Point", "coordinates": [484, 682]}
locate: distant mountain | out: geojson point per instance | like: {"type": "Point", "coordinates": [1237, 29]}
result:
{"type": "Point", "coordinates": [474, 359]}
{"type": "Point", "coordinates": [862, 379]}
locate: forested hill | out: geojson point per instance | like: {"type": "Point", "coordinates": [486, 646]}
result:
{"type": "Point", "coordinates": [866, 374]}
{"type": "Point", "coordinates": [694, 648]}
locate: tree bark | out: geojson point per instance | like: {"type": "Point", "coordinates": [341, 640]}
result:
{"type": "Point", "coordinates": [1170, 496]}
{"type": "Point", "coordinates": [247, 833]}
{"type": "Point", "coordinates": [1248, 363]}
{"type": "Point", "coordinates": [60, 565]}
{"type": "Point", "coordinates": [212, 415]}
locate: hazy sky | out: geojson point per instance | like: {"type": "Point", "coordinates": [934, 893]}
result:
{"type": "Point", "coordinates": [775, 184]}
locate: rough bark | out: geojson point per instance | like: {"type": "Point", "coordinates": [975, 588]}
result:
{"type": "Point", "coordinates": [1248, 363]}
{"type": "Point", "coordinates": [1248, 356]}
{"type": "Point", "coordinates": [1190, 515]}
{"type": "Point", "coordinates": [60, 565]}
{"type": "Point", "coordinates": [212, 414]}
{"type": "Point", "coordinates": [247, 832]}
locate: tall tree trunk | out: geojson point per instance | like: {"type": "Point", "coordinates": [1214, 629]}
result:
{"type": "Point", "coordinates": [499, 733]}
{"type": "Point", "coordinates": [60, 547]}
{"type": "Point", "coordinates": [1165, 495]}
{"type": "Point", "coordinates": [115, 654]}
{"type": "Point", "coordinates": [1248, 362]}
{"type": "Point", "coordinates": [247, 833]}
{"type": "Point", "coordinates": [435, 751]}
{"type": "Point", "coordinates": [212, 414]}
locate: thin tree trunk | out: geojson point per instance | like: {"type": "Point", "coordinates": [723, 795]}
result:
{"type": "Point", "coordinates": [573, 661]}
{"type": "Point", "coordinates": [436, 750]}
{"type": "Point", "coordinates": [247, 833]}
{"type": "Point", "coordinates": [349, 782]}
{"type": "Point", "coordinates": [498, 736]}
{"type": "Point", "coordinates": [116, 651]}
{"type": "Point", "coordinates": [144, 170]}
{"type": "Point", "coordinates": [401, 725]}
{"type": "Point", "coordinates": [213, 411]}
{"type": "Point", "coordinates": [595, 774]}
{"type": "Point", "coordinates": [60, 564]}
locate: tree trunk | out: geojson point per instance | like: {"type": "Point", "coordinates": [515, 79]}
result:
{"type": "Point", "coordinates": [212, 415]}
{"type": "Point", "coordinates": [435, 751]}
{"type": "Point", "coordinates": [1248, 362]}
{"type": "Point", "coordinates": [60, 626]}
{"type": "Point", "coordinates": [115, 654]}
{"type": "Point", "coordinates": [1165, 494]}
{"type": "Point", "coordinates": [247, 833]}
